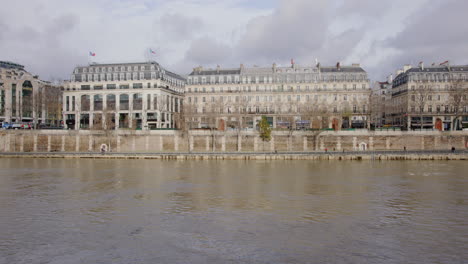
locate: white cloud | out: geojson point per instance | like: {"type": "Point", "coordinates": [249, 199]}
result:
{"type": "Point", "coordinates": [50, 37]}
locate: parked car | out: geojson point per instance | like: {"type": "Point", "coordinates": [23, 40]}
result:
{"type": "Point", "coordinates": [26, 126]}
{"type": "Point", "coordinates": [6, 125]}
{"type": "Point", "coordinates": [16, 126]}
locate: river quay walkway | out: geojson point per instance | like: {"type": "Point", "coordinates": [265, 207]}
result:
{"type": "Point", "coordinates": [333, 155]}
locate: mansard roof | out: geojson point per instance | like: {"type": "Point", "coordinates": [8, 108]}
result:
{"type": "Point", "coordinates": [270, 70]}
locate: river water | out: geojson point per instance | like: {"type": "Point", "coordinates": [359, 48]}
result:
{"type": "Point", "coordinates": [151, 211]}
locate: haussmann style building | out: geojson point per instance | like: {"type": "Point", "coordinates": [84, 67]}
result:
{"type": "Point", "coordinates": [432, 97]}
{"type": "Point", "coordinates": [123, 96]}
{"type": "Point", "coordinates": [26, 98]}
{"type": "Point", "coordinates": [292, 97]}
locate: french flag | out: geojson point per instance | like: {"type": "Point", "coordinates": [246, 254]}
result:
{"type": "Point", "coordinates": [152, 51]}
{"type": "Point", "coordinates": [92, 54]}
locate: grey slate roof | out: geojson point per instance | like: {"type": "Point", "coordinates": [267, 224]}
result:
{"type": "Point", "coordinates": [11, 65]}
{"type": "Point", "coordinates": [269, 70]}
{"type": "Point", "coordinates": [215, 72]}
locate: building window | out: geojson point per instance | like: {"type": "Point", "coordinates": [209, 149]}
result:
{"type": "Point", "coordinates": [429, 109]}
{"type": "Point", "coordinates": [354, 109]}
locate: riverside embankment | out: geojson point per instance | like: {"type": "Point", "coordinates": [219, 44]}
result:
{"type": "Point", "coordinates": [364, 155]}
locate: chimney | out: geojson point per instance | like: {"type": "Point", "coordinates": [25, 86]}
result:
{"type": "Point", "coordinates": [274, 67]}
{"type": "Point", "coordinates": [242, 66]}
{"type": "Point", "coordinates": [218, 68]}
{"type": "Point", "coordinates": [406, 67]}
{"type": "Point", "coordinates": [338, 67]}
{"type": "Point", "coordinates": [390, 78]}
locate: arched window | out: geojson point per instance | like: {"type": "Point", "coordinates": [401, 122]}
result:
{"type": "Point", "coordinates": [137, 101]}
{"type": "Point", "coordinates": [98, 102]}
{"type": "Point", "coordinates": [110, 102]}
{"type": "Point", "coordinates": [85, 102]}
{"type": "Point", "coordinates": [124, 102]}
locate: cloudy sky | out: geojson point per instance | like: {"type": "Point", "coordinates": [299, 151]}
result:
{"type": "Point", "coordinates": [51, 37]}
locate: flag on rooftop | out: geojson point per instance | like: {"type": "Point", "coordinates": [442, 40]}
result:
{"type": "Point", "coordinates": [92, 54]}
{"type": "Point", "coordinates": [444, 63]}
{"type": "Point", "coordinates": [152, 51]}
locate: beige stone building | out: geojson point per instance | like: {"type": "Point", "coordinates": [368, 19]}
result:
{"type": "Point", "coordinates": [432, 97]}
{"type": "Point", "coordinates": [26, 98]}
{"type": "Point", "coordinates": [123, 95]}
{"type": "Point", "coordinates": [293, 97]}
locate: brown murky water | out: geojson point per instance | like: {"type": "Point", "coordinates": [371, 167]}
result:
{"type": "Point", "coordinates": [149, 211]}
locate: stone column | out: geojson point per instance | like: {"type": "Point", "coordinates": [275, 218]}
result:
{"type": "Point", "coordinates": [118, 143]}
{"type": "Point", "coordinates": [176, 142]}
{"type": "Point", "coordinates": [62, 148]}
{"type": "Point", "coordinates": [223, 143]}
{"type": "Point", "coordinates": [35, 143]}
{"type": "Point", "coordinates": [207, 143]}
{"type": "Point", "coordinates": [22, 143]}
{"type": "Point", "coordinates": [90, 143]}
{"type": "Point", "coordinates": [117, 120]}
{"type": "Point", "coordinates": [91, 120]}
{"type": "Point", "coordinates": [77, 120]}
{"type": "Point", "coordinates": [354, 143]}
{"type": "Point", "coordinates": [147, 143]}
{"type": "Point", "coordinates": [48, 143]}
{"type": "Point", "coordinates": [371, 143]}
{"type": "Point", "coordinates": [338, 143]}
{"type": "Point", "coordinates": [322, 144]}
{"type": "Point", "coordinates": [255, 143]}
{"type": "Point", "coordinates": [239, 143]}
{"type": "Point", "coordinates": [387, 143]}
{"type": "Point", "coordinates": [161, 143]}
{"type": "Point", "coordinates": [77, 142]}
{"type": "Point", "coordinates": [7, 143]}
{"type": "Point", "coordinates": [191, 143]}
{"type": "Point", "coordinates": [304, 144]}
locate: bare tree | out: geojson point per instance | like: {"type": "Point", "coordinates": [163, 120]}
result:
{"type": "Point", "coordinates": [458, 99]}
{"type": "Point", "coordinates": [420, 96]}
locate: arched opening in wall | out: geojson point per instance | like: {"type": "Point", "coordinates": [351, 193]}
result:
{"type": "Point", "coordinates": [85, 103]}
{"type": "Point", "coordinates": [438, 124]}
{"type": "Point", "coordinates": [97, 102]}
{"type": "Point", "coordinates": [137, 101]}
{"type": "Point", "coordinates": [84, 121]}
{"type": "Point", "coordinates": [124, 102]}
{"type": "Point", "coordinates": [27, 101]}
{"type": "Point", "coordinates": [335, 124]}
{"type": "Point", "coordinates": [110, 102]}
{"type": "Point", "coordinates": [362, 146]}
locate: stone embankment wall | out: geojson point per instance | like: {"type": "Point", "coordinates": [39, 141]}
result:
{"type": "Point", "coordinates": [206, 141]}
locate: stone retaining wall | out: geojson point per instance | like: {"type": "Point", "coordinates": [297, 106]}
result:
{"type": "Point", "coordinates": [206, 141]}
